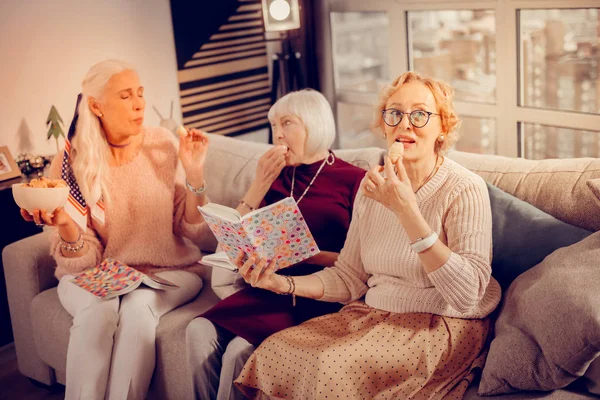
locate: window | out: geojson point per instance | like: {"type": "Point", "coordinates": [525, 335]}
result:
{"type": "Point", "coordinates": [457, 47]}
{"type": "Point", "coordinates": [559, 60]}
{"type": "Point", "coordinates": [477, 135]}
{"type": "Point", "coordinates": [360, 50]}
{"type": "Point", "coordinates": [360, 68]}
{"type": "Point", "coordinates": [354, 120]}
{"type": "Point", "coordinates": [525, 72]}
{"type": "Point", "coordinates": [545, 141]}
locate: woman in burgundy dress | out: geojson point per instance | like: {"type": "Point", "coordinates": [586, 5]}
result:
{"type": "Point", "coordinates": [300, 165]}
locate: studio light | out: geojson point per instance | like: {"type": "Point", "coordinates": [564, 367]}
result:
{"type": "Point", "coordinates": [281, 15]}
{"type": "Point", "coordinates": [280, 9]}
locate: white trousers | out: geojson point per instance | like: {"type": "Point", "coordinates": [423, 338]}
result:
{"type": "Point", "coordinates": [112, 351]}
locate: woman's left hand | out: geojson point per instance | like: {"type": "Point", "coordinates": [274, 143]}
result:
{"type": "Point", "coordinates": [261, 274]}
{"type": "Point", "coordinates": [192, 153]}
{"type": "Point", "coordinates": [394, 191]}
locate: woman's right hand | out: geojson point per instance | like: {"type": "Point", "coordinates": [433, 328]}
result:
{"type": "Point", "coordinates": [269, 166]}
{"type": "Point", "coordinates": [262, 274]}
{"type": "Point", "coordinates": [59, 218]}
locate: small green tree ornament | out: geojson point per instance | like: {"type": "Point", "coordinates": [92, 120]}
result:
{"type": "Point", "coordinates": [54, 129]}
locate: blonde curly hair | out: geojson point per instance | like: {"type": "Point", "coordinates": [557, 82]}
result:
{"type": "Point", "coordinates": [443, 95]}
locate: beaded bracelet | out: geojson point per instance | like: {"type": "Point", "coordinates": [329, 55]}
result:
{"type": "Point", "coordinates": [72, 247]}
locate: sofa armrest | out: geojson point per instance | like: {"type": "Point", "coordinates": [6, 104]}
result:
{"type": "Point", "coordinates": [29, 270]}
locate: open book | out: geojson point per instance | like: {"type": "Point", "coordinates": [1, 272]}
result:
{"type": "Point", "coordinates": [220, 259]}
{"type": "Point", "coordinates": [277, 230]}
{"type": "Point", "coordinates": [112, 278]}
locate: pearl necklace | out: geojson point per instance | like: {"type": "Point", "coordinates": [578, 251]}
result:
{"type": "Point", "coordinates": [325, 161]}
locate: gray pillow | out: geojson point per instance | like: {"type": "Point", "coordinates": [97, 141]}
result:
{"type": "Point", "coordinates": [592, 377]}
{"type": "Point", "coordinates": [524, 235]}
{"type": "Point", "coordinates": [548, 330]}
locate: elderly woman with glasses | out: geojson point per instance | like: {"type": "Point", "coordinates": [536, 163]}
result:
{"type": "Point", "coordinates": [414, 274]}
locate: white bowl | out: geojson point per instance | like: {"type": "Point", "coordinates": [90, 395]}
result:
{"type": "Point", "coordinates": [48, 199]}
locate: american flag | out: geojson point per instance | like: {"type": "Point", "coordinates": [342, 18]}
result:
{"type": "Point", "coordinates": [76, 205]}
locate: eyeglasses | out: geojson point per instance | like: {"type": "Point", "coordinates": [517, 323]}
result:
{"type": "Point", "coordinates": [418, 118]}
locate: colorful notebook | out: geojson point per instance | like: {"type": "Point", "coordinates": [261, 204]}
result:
{"type": "Point", "coordinates": [278, 230]}
{"type": "Point", "coordinates": [112, 278]}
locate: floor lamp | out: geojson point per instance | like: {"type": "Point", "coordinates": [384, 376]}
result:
{"type": "Point", "coordinates": [283, 16]}
{"type": "Point", "coordinates": [287, 72]}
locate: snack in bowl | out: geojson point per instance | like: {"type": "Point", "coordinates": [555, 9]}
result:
{"type": "Point", "coordinates": [44, 182]}
{"type": "Point", "coordinates": [41, 194]}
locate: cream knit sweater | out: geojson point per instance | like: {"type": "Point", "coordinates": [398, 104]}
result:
{"type": "Point", "coordinates": [377, 259]}
{"type": "Point", "coordinates": [144, 222]}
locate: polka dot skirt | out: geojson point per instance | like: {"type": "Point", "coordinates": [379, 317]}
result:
{"type": "Point", "coordinates": [365, 353]}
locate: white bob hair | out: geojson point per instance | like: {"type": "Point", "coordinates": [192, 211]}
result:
{"type": "Point", "coordinates": [316, 115]}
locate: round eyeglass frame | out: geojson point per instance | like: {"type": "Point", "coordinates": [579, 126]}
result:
{"type": "Point", "coordinates": [410, 117]}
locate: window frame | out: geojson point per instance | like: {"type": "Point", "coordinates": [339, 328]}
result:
{"type": "Point", "coordinates": [507, 112]}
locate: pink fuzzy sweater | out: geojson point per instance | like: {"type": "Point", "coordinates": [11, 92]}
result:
{"type": "Point", "coordinates": [144, 222]}
{"type": "Point", "coordinates": [377, 259]}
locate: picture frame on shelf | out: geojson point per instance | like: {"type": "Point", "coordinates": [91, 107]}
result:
{"type": "Point", "coordinates": [8, 167]}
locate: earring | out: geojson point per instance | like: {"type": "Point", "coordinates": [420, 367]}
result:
{"type": "Point", "coordinates": [440, 138]}
{"type": "Point", "coordinates": [384, 135]}
{"type": "Point", "coordinates": [100, 115]}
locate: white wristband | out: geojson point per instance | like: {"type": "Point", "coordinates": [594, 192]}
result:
{"type": "Point", "coordinates": [424, 243]}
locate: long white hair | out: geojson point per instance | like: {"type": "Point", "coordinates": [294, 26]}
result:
{"type": "Point", "coordinates": [89, 148]}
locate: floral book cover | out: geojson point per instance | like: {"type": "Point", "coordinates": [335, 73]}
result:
{"type": "Point", "coordinates": [278, 230]}
{"type": "Point", "coordinates": [108, 279]}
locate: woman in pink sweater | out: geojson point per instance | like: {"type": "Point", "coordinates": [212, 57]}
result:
{"type": "Point", "coordinates": [129, 202]}
{"type": "Point", "coordinates": [419, 250]}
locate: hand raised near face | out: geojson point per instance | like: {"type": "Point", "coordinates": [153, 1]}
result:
{"type": "Point", "coordinates": [269, 166]}
{"type": "Point", "coordinates": [392, 189]}
{"type": "Point", "coordinates": [193, 146]}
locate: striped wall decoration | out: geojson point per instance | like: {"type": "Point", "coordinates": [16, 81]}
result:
{"type": "Point", "coordinates": [222, 60]}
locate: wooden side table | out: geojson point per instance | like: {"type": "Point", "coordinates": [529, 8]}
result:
{"type": "Point", "coordinates": [13, 228]}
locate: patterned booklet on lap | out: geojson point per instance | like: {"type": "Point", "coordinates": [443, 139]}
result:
{"type": "Point", "coordinates": [278, 230]}
{"type": "Point", "coordinates": [112, 278]}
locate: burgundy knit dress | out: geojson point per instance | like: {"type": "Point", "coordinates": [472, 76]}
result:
{"type": "Point", "coordinates": [255, 314]}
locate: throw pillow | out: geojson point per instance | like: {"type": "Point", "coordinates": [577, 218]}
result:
{"type": "Point", "coordinates": [548, 330]}
{"type": "Point", "coordinates": [592, 377]}
{"type": "Point", "coordinates": [594, 185]}
{"type": "Point", "coordinates": [524, 235]}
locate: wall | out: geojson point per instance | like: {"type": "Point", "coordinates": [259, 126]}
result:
{"type": "Point", "coordinates": [223, 65]}
{"type": "Point", "coordinates": [47, 48]}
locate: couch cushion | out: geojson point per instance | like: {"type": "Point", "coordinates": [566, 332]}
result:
{"type": "Point", "coordinates": [524, 235]}
{"type": "Point", "coordinates": [231, 166]}
{"type": "Point", "coordinates": [548, 330]}
{"type": "Point", "coordinates": [558, 187]}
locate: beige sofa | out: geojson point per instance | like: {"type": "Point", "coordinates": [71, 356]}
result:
{"type": "Point", "coordinates": [41, 325]}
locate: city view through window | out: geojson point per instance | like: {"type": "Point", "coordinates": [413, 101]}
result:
{"type": "Point", "coordinates": [557, 65]}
